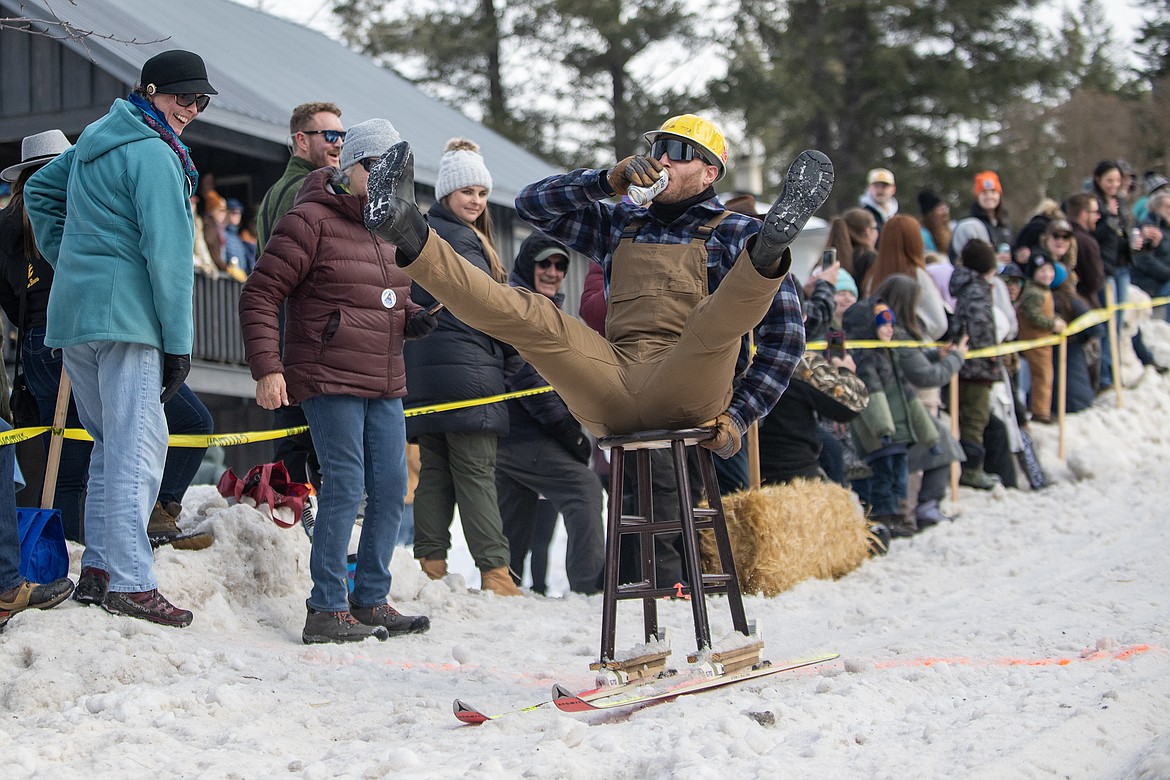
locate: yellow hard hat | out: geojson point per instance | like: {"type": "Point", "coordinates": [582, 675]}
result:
{"type": "Point", "coordinates": [699, 132]}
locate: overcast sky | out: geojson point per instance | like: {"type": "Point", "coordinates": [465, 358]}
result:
{"type": "Point", "coordinates": [1125, 15]}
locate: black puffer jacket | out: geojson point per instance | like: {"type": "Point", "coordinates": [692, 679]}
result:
{"type": "Point", "coordinates": [456, 362]}
{"type": "Point", "coordinates": [545, 414]}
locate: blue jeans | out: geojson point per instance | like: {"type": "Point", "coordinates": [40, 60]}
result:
{"type": "Point", "coordinates": [361, 443]}
{"type": "Point", "coordinates": [117, 386]}
{"type": "Point", "coordinates": [9, 535]}
{"type": "Point", "coordinates": [185, 414]}
{"type": "Point", "coordinates": [887, 487]}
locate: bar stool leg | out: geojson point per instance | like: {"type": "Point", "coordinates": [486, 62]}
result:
{"type": "Point", "coordinates": [646, 544]}
{"type": "Point", "coordinates": [722, 540]}
{"type": "Point", "coordinates": [690, 542]}
{"type": "Point", "coordinates": [612, 554]}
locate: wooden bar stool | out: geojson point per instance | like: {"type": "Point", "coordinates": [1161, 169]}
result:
{"type": "Point", "coordinates": [642, 524]}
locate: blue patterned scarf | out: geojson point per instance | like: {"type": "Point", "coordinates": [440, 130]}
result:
{"type": "Point", "coordinates": [157, 122]}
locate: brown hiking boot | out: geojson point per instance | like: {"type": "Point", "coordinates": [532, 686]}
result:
{"type": "Point", "coordinates": [147, 605]}
{"type": "Point", "coordinates": [33, 595]}
{"type": "Point", "coordinates": [435, 569]}
{"type": "Point", "coordinates": [163, 528]}
{"type": "Point", "coordinates": [500, 582]}
{"type": "Point", "coordinates": [322, 627]}
{"type": "Point", "coordinates": [394, 621]}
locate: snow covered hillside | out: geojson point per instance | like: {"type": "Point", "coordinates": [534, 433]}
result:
{"type": "Point", "coordinates": [1028, 639]}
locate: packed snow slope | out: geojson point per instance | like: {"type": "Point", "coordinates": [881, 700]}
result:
{"type": "Point", "coordinates": [1027, 639]}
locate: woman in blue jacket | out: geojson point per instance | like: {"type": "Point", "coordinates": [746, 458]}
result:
{"type": "Point", "coordinates": [120, 311]}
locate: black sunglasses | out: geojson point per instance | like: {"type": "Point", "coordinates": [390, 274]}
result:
{"type": "Point", "coordinates": [331, 136]}
{"type": "Point", "coordinates": [1065, 236]}
{"type": "Point", "coordinates": [201, 101]}
{"type": "Point", "coordinates": [562, 265]}
{"type": "Point", "coordinates": [368, 163]}
{"type": "Point", "coordinates": [675, 150]}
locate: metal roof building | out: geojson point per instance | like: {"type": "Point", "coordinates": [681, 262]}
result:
{"type": "Point", "coordinates": [262, 67]}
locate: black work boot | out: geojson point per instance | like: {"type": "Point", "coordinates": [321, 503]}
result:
{"type": "Point", "coordinates": [393, 620]}
{"type": "Point", "coordinates": [806, 188]}
{"type": "Point", "coordinates": [391, 212]}
{"type": "Point", "coordinates": [323, 627]}
{"type": "Point", "coordinates": [92, 586]}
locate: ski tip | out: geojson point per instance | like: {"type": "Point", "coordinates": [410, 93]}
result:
{"type": "Point", "coordinates": [468, 714]}
{"type": "Point", "coordinates": [561, 692]}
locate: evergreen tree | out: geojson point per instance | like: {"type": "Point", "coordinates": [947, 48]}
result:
{"type": "Point", "coordinates": [454, 51]}
{"type": "Point", "coordinates": [918, 86]}
{"type": "Point", "coordinates": [1153, 41]}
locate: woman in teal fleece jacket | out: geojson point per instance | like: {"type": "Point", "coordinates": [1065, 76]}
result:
{"type": "Point", "coordinates": [111, 215]}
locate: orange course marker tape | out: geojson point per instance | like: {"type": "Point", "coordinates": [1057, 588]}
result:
{"type": "Point", "coordinates": [1120, 654]}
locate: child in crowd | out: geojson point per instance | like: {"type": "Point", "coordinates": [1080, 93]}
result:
{"type": "Point", "coordinates": [893, 420]}
{"type": "Point", "coordinates": [1037, 316]}
{"type": "Point", "coordinates": [975, 315]}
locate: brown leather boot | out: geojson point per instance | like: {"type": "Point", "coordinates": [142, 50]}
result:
{"type": "Point", "coordinates": [499, 581]}
{"type": "Point", "coordinates": [435, 569]}
{"type": "Point", "coordinates": [163, 528]}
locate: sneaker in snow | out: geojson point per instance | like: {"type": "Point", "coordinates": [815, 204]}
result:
{"type": "Point", "coordinates": [322, 627]}
{"type": "Point", "coordinates": [394, 621]}
{"type": "Point", "coordinates": [147, 605]}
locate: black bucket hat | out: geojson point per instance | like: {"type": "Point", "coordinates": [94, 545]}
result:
{"type": "Point", "coordinates": [176, 72]}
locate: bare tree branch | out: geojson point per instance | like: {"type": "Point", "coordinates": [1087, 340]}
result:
{"type": "Point", "coordinates": [60, 29]}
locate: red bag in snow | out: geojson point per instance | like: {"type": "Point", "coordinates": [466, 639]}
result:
{"type": "Point", "coordinates": [268, 488]}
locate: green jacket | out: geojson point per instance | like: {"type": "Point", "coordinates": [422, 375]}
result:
{"type": "Point", "coordinates": [280, 198]}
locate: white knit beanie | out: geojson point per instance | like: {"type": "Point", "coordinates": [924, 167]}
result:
{"type": "Point", "coordinates": [461, 166]}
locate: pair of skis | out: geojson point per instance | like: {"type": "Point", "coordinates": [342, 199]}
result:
{"type": "Point", "coordinates": [641, 692]}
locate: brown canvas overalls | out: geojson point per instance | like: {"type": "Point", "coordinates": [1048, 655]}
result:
{"type": "Point", "coordinates": [672, 347]}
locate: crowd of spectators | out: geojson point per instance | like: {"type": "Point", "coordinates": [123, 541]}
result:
{"type": "Point", "coordinates": [875, 419]}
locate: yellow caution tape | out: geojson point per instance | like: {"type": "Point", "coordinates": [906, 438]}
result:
{"type": "Point", "coordinates": [1084, 322]}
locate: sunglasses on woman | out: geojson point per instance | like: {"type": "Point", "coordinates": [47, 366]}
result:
{"type": "Point", "coordinates": [330, 136]}
{"type": "Point", "coordinates": [201, 101]}
{"type": "Point", "coordinates": [1062, 236]}
{"type": "Point", "coordinates": [562, 265]}
{"type": "Point", "coordinates": [675, 150]}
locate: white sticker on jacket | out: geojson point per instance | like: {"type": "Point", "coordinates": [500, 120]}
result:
{"type": "Point", "coordinates": [389, 298]}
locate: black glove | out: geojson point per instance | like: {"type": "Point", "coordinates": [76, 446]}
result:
{"type": "Point", "coordinates": [420, 325]}
{"type": "Point", "coordinates": [570, 436]}
{"type": "Point", "coordinates": [175, 370]}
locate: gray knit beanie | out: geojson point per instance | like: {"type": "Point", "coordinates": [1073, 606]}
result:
{"type": "Point", "coordinates": [370, 138]}
{"type": "Point", "coordinates": [461, 166]}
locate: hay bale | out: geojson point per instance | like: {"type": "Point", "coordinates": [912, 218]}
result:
{"type": "Point", "coordinates": [783, 534]}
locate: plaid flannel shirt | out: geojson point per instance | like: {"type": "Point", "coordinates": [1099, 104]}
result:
{"type": "Point", "coordinates": [571, 208]}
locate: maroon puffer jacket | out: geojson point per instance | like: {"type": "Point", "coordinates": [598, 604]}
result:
{"type": "Point", "coordinates": [347, 301]}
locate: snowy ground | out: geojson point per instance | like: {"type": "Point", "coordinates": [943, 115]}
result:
{"type": "Point", "coordinates": [1028, 639]}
